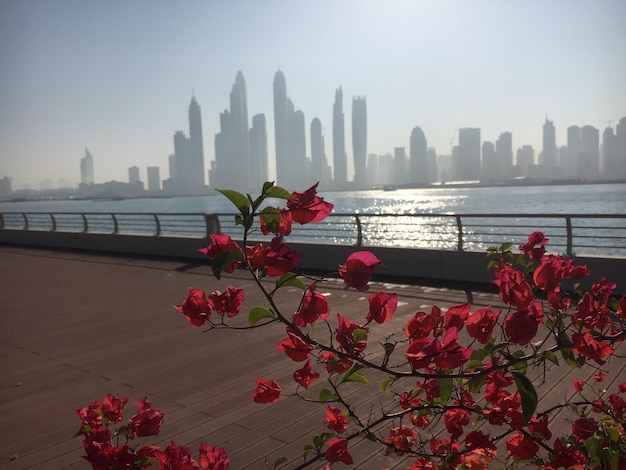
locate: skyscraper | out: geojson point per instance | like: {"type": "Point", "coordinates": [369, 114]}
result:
{"type": "Point", "coordinates": [570, 167]}
{"type": "Point", "coordinates": [589, 158]}
{"type": "Point", "coordinates": [359, 138]}
{"type": "Point", "coordinates": [399, 162]}
{"type": "Point", "coordinates": [317, 150]}
{"type": "Point", "coordinates": [467, 166]}
{"type": "Point", "coordinates": [154, 178]}
{"type": "Point", "coordinates": [86, 168]}
{"type": "Point", "coordinates": [504, 155]}
{"type": "Point", "coordinates": [281, 129]}
{"type": "Point", "coordinates": [340, 160]}
{"type": "Point", "coordinates": [196, 147]}
{"type": "Point", "coordinates": [133, 174]}
{"type": "Point", "coordinates": [418, 160]}
{"type": "Point", "coordinates": [258, 152]}
{"type": "Point", "coordinates": [548, 152]}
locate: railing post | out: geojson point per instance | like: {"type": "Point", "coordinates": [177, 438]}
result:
{"type": "Point", "coordinates": [158, 224]}
{"type": "Point", "coordinates": [212, 224]}
{"type": "Point", "coordinates": [570, 238]}
{"type": "Point", "coordinates": [359, 231]}
{"type": "Point", "coordinates": [1, 221]}
{"type": "Point", "coordinates": [459, 226]}
{"type": "Point", "coordinates": [54, 223]}
{"type": "Point", "coordinates": [116, 227]}
{"type": "Point", "coordinates": [25, 221]}
{"type": "Point", "coordinates": [85, 223]}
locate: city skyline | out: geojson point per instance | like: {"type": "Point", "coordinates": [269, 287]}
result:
{"type": "Point", "coordinates": [440, 66]}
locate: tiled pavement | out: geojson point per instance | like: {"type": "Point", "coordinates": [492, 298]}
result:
{"type": "Point", "coordinates": [76, 325]}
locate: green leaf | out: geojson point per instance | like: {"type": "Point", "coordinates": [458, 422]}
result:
{"type": "Point", "coordinates": [371, 437]}
{"type": "Point", "coordinates": [550, 356]}
{"type": "Point", "coordinates": [353, 375]}
{"type": "Point", "coordinates": [326, 396]}
{"type": "Point", "coordinates": [476, 383]}
{"type": "Point", "coordinates": [258, 313]}
{"type": "Point", "coordinates": [308, 449]}
{"type": "Point", "coordinates": [224, 259]}
{"type": "Point", "coordinates": [279, 461]}
{"type": "Point", "coordinates": [476, 360]}
{"type": "Point", "coordinates": [240, 201]}
{"type": "Point", "coordinates": [445, 389]}
{"type": "Point", "coordinates": [592, 445]}
{"type": "Point", "coordinates": [290, 279]}
{"type": "Point", "coordinates": [528, 394]}
{"type": "Point", "coordinates": [359, 335]}
{"type": "Point", "coordinates": [385, 383]}
{"type": "Point", "coordinates": [505, 247]}
{"type": "Point", "coordinates": [613, 434]}
{"type": "Point", "coordinates": [522, 365]}
{"type": "Point", "coordinates": [278, 192]}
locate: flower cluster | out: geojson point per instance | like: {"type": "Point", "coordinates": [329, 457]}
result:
{"type": "Point", "coordinates": [460, 380]}
{"type": "Point", "coordinates": [97, 419]}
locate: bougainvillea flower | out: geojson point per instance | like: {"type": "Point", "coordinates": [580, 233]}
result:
{"type": "Point", "coordinates": [539, 428]}
{"type": "Point", "coordinates": [422, 324]}
{"type": "Point", "coordinates": [521, 326]}
{"type": "Point", "coordinates": [314, 307]}
{"type": "Point", "coordinates": [283, 227]}
{"type": "Point", "coordinates": [621, 310]}
{"type": "Point", "coordinates": [91, 415]}
{"type": "Point", "coordinates": [531, 249]}
{"type": "Point", "coordinates": [479, 440]}
{"type": "Point", "coordinates": [335, 419]}
{"type": "Point", "coordinates": [421, 352]}
{"type": "Point", "coordinates": [603, 289]}
{"type": "Point", "coordinates": [337, 451]}
{"type": "Point", "coordinates": [584, 428]}
{"type": "Point", "coordinates": [334, 363]}
{"type": "Point", "coordinates": [400, 440]}
{"type": "Point", "coordinates": [520, 447]}
{"type": "Point", "coordinates": [228, 302]}
{"type": "Point", "coordinates": [267, 391]}
{"type": "Point", "coordinates": [455, 420]}
{"type": "Point", "coordinates": [481, 323]}
{"type": "Point", "coordinates": [295, 347]}
{"type": "Point", "coordinates": [176, 458]}
{"type": "Point", "coordinates": [451, 354]}
{"type": "Point", "coordinates": [211, 458]}
{"type": "Point", "coordinates": [382, 307]}
{"type": "Point", "coordinates": [113, 408]}
{"type": "Point", "coordinates": [591, 313]}
{"type": "Point", "coordinates": [578, 385]}
{"type": "Point", "coordinates": [618, 405]}
{"type": "Point", "coordinates": [147, 421]}
{"type": "Point", "coordinates": [513, 288]}
{"type": "Point", "coordinates": [220, 243]}
{"type": "Point", "coordinates": [280, 259]}
{"type": "Point", "coordinates": [586, 345]}
{"type": "Point", "coordinates": [196, 308]}
{"type": "Point", "coordinates": [358, 269]}
{"type": "Point", "coordinates": [348, 337]}
{"type": "Point", "coordinates": [457, 314]}
{"type": "Point", "coordinates": [308, 207]}
{"type": "Point", "coordinates": [305, 375]}
{"type": "Point", "coordinates": [100, 454]}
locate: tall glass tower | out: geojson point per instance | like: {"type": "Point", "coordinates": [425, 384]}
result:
{"type": "Point", "coordinates": [359, 139]}
{"type": "Point", "coordinates": [340, 161]}
{"type": "Point", "coordinates": [195, 152]}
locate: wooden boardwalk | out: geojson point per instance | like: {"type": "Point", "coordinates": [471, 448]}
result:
{"type": "Point", "coordinates": [76, 325]}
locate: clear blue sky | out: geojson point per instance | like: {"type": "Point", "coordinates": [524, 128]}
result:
{"type": "Point", "coordinates": [117, 76]}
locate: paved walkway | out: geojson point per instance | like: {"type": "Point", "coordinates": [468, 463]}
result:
{"type": "Point", "coordinates": [76, 325]}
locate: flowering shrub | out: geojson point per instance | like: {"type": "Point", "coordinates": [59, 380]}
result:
{"type": "Point", "coordinates": [459, 370]}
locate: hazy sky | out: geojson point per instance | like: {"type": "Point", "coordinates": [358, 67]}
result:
{"type": "Point", "coordinates": [117, 76]}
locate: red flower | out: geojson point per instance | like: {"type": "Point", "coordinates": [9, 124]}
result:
{"type": "Point", "coordinates": [591, 313]}
{"type": "Point", "coordinates": [334, 363]}
{"type": "Point", "coordinates": [584, 428]}
{"type": "Point", "coordinates": [196, 308]}
{"type": "Point", "coordinates": [283, 227]}
{"type": "Point", "coordinates": [305, 375]}
{"type": "Point", "coordinates": [452, 355]}
{"type": "Point", "coordinates": [113, 408]}
{"type": "Point", "coordinates": [295, 347]}
{"type": "Point", "coordinates": [221, 243]}
{"type": "Point", "coordinates": [335, 419]}
{"type": "Point", "coordinates": [521, 326]}
{"type": "Point", "coordinates": [382, 307]}
{"type": "Point", "coordinates": [578, 384]}
{"type": "Point", "coordinates": [454, 421]}
{"type": "Point", "coordinates": [539, 428]}
{"type": "Point", "coordinates": [421, 352]}
{"type": "Point", "coordinates": [147, 421]}
{"type": "Point", "coordinates": [520, 447]}
{"type": "Point", "coordinates": [267, 391]}
{"type": "Point", "coordinates": [514, 290]}
{"type": "Point", "coordinates": [337, 451]}
{"type": "Point", "coordinates": [347, 337]}
{"type": "Point", "coordinates": [599, 376]}
{"type": "Point", "coordinates": [621, 311]}
{"type": "Point", "coordinates": [479, 440]}
{"type": "Point", "coordinates": [359, 269]}
{"type": "Point", "coordinates": [481, 323]}
{"type": "Point", "coordinates": [585, 344]}
{"type": "Point", "coordinates": [314, 306]}
{"type": "Point", "coordinates": [229, 302]}
{"type": "Point", "coordinates": [280, 259]}
{"type": "Point", "coordinates": [176, 458]}
{"type": "Point", "coordinates": [213, 459]}
{"type": "Point", "coordinates": [90, 415]}
{"type": "Point", "coordinates": [400, 440]}
{"type": "Point", "coordinates": [531, 249]}
{"type": "Point", "coordinates": [307, 207]}
{"type": "Point", "coordinates": [457, 315]}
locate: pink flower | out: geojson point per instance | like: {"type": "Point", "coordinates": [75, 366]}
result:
{"type": "Point", "coordinates": [305, 375]}
{"type": "Point", "coordinates": [147, 421]}
{"type": "Point", "coordinates": [113, 408]}
{"type": "Point", "coordinates": [176, 458]}
{"type": "Point", "coordinates": [314, 306]}
{"type": "Point", "coordinates": [531, 249]}
{"type": "Point", "coordinates": [213, 458]}
{"type": "Point", "coordinates": [585, 344]}
{"type": "Point", "coordinates": [221, 243]}
{"type": "Point", "coordinates": [308, 207]}
{"type": "Point", "coordinates": [337, 451]}
{"type": "Point", "coordinates": [229, 302]}
{"type": "Point", "coordinates": [335, 419]}
{"type": "Point", "coordinates": [481, 323]}
{"type": "Point", "coordinates": [295, 347]}
{"type": "Point", "coordinates": [359, 269]}
{"type": "Point", "coordinates": [521, 326]}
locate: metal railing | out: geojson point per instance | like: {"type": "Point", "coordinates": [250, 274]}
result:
{"type": "Point", "coordinates": [602, 234]}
